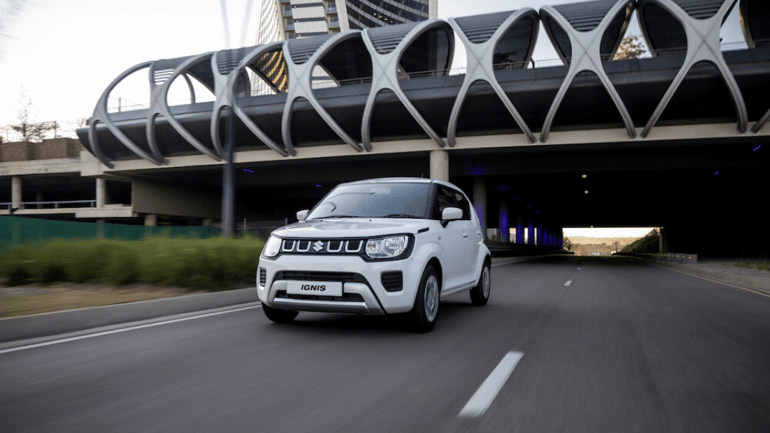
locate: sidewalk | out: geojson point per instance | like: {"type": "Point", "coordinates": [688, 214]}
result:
{"type": "Point", "coordinates": [722, 270]}
{"type": "Point", "coordinates": [61, 322]}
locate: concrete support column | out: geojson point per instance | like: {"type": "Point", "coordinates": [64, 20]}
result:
{"type": "Point", "coordinates": [505, 224]}
{"type": "Point", "coordinates": [151, 220]}
{"type": "Point", "coordinates": [101, 192]}
{"type": "Point", "coordinates": [560, 237]}
{"type": "Point", "coordinates": [519, 227]}
{"type": "Point", "coordinates": [540, 236]}
{"type": "Point", "coordinates": [531, 230]}
{"type": "Point", "coordinates": [16, 192]}
{"type": "Point", "coordinates": [439, 165]}
{"type": "Point", "coordinates": [38, 199]}
{"type": "Point", "coordinates": [480, 202]}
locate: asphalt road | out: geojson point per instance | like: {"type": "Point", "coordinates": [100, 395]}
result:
{"type": "Point", "coordinates": [623, 347]}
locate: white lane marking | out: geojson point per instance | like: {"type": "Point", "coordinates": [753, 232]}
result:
{"type": "Point", "coordinates": [481, 400]}
{"type": "Point", "coordinates": [578, 269]}
{"type": "Point", "coordinates": [568, 282]}
{"type": "Point", "coordinates": [115, 331]}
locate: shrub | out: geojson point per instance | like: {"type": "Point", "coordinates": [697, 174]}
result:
{"type": "Point", "coordinates": [208, 264]}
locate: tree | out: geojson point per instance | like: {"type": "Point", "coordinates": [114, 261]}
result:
{"type": "Point", "coordinates": [631, 47]}
{"type": "Point", "coordinates": [26, 128]}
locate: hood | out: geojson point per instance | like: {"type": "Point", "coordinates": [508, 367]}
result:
{"type": "Point", "coordinates": [351, 228]}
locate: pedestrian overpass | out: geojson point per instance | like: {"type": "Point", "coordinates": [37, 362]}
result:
{"type": "Point", "coordinates": [673, 140]}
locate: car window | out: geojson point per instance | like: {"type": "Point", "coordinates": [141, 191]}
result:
{"type": "Point", "coordinates": [463, 204]}
{"type": "Point", "coordinates": [444, 199]}
{"type": "Point", "coordinates": [375, 200]}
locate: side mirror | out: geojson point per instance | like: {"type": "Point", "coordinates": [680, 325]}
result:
{"type": "Point", "coordinates": [450, 214]}
{"type": "Point", "coordinates": [301, 215]}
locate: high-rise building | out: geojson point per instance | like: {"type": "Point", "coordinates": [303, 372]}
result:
{"type": "Point", "coordinates": [288, 19]}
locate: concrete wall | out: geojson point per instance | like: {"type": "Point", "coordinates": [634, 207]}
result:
{"type": "Point", "coordinates": [163, 199]}
{"type": "Point", "coordinates": [57, 148]}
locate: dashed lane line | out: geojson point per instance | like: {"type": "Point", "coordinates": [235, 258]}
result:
{"type": "Point", "coordinates": [481, 400]}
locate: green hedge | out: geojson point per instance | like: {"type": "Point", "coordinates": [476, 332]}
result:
{"type": "Point", "coordinates": [199, 264]}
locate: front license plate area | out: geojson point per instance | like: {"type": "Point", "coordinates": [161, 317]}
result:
{"type": "Point", "coordinates": [317, 288]}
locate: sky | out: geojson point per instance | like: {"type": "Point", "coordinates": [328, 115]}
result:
{"type": "Point", "coordinates": [63, 54]}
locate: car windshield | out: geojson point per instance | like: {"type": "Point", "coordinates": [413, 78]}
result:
{"type": "Point", "coordinates": [375, 200]}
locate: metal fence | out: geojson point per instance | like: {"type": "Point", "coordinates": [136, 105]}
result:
{"type": "Point", "coordinates": [18, 230]}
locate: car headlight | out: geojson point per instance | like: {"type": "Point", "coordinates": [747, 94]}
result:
{"type": "Point", "coordinates": [385, 248]}
{"type": "Point", "coordinates": [272, 247]}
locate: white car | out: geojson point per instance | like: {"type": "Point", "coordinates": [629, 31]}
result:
{"type": "Point", "coordinates": [381, 246]}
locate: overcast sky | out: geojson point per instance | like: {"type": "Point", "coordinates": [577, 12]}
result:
{"type": "Point", "coordinates": [64, 53]}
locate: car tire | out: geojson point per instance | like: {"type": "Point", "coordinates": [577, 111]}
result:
{"type": "Point", "coordinates": [480, 293]}
{"type": "Point", "coordinates": [422, 317]}
{"type": "Point", "coordinates": [279, 316]}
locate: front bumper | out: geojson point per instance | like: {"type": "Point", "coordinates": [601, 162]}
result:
{"type": "Point", "coordinates": [363, 291]}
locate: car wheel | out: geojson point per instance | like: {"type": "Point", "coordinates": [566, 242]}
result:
{"type": "Point", "coordinates": [480, 293]}
{"type": "Point", "coordinates": [279, 316]}
{"type": "Point", "coordinates": [423, 315]}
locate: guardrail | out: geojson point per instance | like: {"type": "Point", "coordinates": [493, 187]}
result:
{"type": "Point", "coordinates": [666, 257]}
{"type": "Point", "coordinates": [55, 204]}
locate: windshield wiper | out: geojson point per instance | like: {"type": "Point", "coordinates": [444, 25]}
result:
{"type": "Point", "coordinates": [399, 215]}
{"type": "Point", "coordinates": [339, 216]}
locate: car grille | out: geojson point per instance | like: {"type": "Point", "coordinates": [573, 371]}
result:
{"type": "Point", "coordinates": [346, 297]}
{"type": "Point", "coordinates": [344, 277]}
{"type": "Point", "coordinates": [392, 281]}
{"type": "Point", "coordinates": [323, 246]}
{"type": "Point", "coordinates": [262, 276]}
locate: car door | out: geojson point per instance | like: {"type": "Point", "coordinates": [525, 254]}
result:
{"type": "Point", "coordinates": [451, 241]}
{"type": "Point", "coordinates": [471, 238]}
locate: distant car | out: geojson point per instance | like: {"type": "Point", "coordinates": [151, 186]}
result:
{"type": "Point", "coordinates": [381, 246]}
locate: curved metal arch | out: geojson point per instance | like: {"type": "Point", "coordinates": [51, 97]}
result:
{"type": "Point", "coordinates": [242, 65]}
{"type": "Point", "coordinates": [385, 76]}
{"type": "Point", "coordinates": [224, 90]}
{"type": "Point", "coordinates": [301, 86]}
{"type": "Point", "coordinates": [702, 46]}
{"type": "Point", "coordinates": [480, 58]}
{"type": "Point", "coordinates": [159, 106]}
{"type": "Point", "coordinates": [101, 115]}
{"type": "Point", "coordinates": [586, 56]}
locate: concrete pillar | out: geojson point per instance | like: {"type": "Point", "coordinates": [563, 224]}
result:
{"type": "Point", "coordinates": [531, 229]}
{"type": "Point", "coordinates": [439, 165]}
{"type": "Point", "coordinates": [16, 192]}
{"type": "Point", "coordinates": [540, 236]}
{"type": "Point", "coordinates": [38, 199]}
{"type": "Point", "coordinates": [519, 227]}
{"type": "Point", "coordinates": [151, 220]}
{"type": "Point", "coordinates": [480, 202]}
{"type": "Point", "coordinates": [101, 192]}
{"type": "Point", "coordinates": [505, 224]}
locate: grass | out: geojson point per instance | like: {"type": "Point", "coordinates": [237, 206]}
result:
{"type": "Point", "coordinates": [196, 264]}
{"type": "Point", "coordinates": [762, 266]}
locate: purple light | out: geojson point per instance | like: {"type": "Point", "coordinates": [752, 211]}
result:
{"type": "Point", "coordinates": [248, 171]}
{"type": "Point", "coordinates": [756, 148]}
{"type": "Point", "coordinates": [716, 174]}
{"type": "Point", "coordinates": [317, 185]}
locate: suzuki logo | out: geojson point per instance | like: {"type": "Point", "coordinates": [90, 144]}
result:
{"type": "Point", "coordinates": [318, 246]}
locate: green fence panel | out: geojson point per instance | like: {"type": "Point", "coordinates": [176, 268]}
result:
{"type": "Point", "coordinates": [18, 230]}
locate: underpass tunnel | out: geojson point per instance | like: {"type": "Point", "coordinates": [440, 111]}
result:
{"type": "Point", "coordinates": [704, 196]}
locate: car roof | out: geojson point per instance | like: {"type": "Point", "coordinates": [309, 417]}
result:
{"type": "Point", "coordinates": [399, 180]}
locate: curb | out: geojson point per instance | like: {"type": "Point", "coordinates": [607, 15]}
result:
{"type": "Point", "coordinates": [61, 322]}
